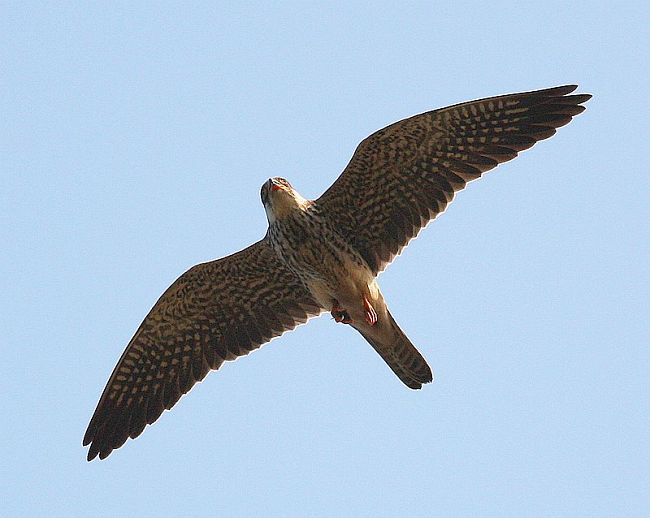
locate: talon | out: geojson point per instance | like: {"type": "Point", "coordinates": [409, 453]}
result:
{"type": "Point", "coordinates": [343, 317]}
{"type": "Point", "coordinates": [340, 315]}
{"type": "Point", "coordinates": [371, 314]}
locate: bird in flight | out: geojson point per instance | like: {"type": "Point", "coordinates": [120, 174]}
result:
{"type": "Point", "coordinates": [321, 255]}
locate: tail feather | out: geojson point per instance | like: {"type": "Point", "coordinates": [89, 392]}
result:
{"type": "Point", "coordinates": [397, 351]}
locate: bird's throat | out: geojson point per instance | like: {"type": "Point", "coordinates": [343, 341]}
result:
{"type": "Point", "coordinates": [283, 205]}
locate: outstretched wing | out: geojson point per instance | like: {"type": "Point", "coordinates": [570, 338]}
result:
{"type": "Point", "coordinates": [214, 312]}
{"type": "Point", "coordinates": [404, 175]}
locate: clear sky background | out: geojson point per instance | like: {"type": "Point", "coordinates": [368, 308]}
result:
{"type": "Point", "coordinates": [135, 139]}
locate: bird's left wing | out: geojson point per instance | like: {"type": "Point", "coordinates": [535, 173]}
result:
{"type": "Point", "coordinates": [404, 175]}
{"type": "Point", "coordinates": [214, 312]}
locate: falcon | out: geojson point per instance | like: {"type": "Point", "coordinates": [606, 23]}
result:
{"type": "Point", "coordinates": [321, 255]}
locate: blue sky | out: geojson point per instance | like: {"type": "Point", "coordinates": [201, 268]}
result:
{"type": "Point", "coordinates": [134, 141]}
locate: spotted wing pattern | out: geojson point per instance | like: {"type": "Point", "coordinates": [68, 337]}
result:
{"type": "Point", "coordinates": [404, 175]}
{"type": "Point", "coordinates": [214, 312]}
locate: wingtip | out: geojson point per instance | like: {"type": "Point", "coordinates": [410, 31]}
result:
{"type": "Point", "coordinates": [561, 91]}
{"type": "Point", "coordinates": [97, 451]}
{"type": "Point", "coordinates": [91, 454]}
{"type": "Point", "coordinates": [567, 89]}
{"type": "Point", "coordinates": [104, 454]}
{"type": "Point", "coordinates": [555, 90]}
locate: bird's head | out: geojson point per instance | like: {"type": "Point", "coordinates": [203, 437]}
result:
{"type": "Point", "coordinates": [280, 199]}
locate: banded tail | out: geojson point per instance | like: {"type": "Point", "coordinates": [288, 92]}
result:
{"type": "Point", "coordinates": [397, 351]}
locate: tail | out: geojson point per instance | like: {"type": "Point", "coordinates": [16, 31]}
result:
{"type": "Point", "coordinates": [398, 352]}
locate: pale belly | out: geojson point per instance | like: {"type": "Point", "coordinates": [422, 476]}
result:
{"type": "Point", "coordinates": [345, 285]}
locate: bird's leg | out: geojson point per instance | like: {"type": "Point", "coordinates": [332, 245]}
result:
{"type": "Point", "coordinates": [371, 314]}
{"type": "Point", "coordinates": [340, 314]}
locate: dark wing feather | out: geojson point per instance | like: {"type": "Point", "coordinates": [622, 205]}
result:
{"type": "Point", "coordinates": [404, 175]}
{"type": "Point", "coordinates": [214, 312]}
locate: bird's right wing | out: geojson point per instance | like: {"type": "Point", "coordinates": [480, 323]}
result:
{"type": "Point", "coordinates": [404, 175]}
{"type": "Point", "coordinates": [214, 312]}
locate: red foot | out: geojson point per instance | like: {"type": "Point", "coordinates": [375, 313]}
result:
{"type": "Point", "coordinates": [371, 314]}
{"type": "Point", "coordinates": [340, 314]}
